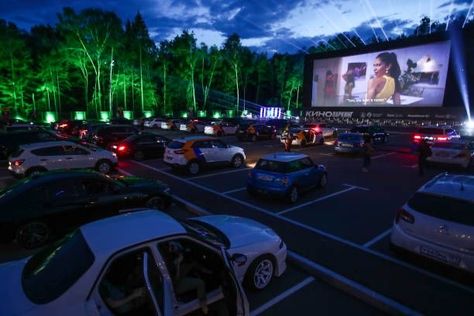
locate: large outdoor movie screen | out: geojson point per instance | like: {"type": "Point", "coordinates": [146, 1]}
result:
{"type": "Point", "coordinates": [410, 76]}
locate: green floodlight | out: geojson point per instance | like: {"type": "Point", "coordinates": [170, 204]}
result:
{"type": "Point", "coordinates": [288, 113]}
{"type": "Point", "coordinates": [184, 114]}
{"type": "Point", "coordinates": [50, 117]}
{"type": "Point", "coordinates": [202, 113]}
{"type": "Point", "coordinates": [104, 116]}
{"type": "Point", "coordinates": [19, 117]}
{"type": "Point", "coordinates": [168, 114]}
{"type": "Point", "coordinates": [128, 115]}
{"type": "Point", "coordinates": [80, 115]}
{"type": "Point", "coordinates": [216, 115]}
{"type": "Point", "coordinates": [230, 113]}
{"type": "Point", "coordinates": [147, 114]}
{"type": "Point", "coordinates": [244, 113]}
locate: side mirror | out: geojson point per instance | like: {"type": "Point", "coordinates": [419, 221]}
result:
{"type": "Point", "coordinates": [239, 259]}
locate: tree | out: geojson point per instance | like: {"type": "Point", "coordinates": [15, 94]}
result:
{"type": "Point", "coordinates": [232, 53]}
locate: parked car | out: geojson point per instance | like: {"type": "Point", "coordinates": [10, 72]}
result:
{"type": "Point", "coordinates": [154, 122]}
{"type": "Point", "coordinates": [302, 137]}
{"type": "Point", "coordinates": [195, 152]}
{"type": "Point", "coordinates": [437, 222]}
{"type": "Point", "coordinates": [435, 134]}
{"type": "Point", "coordinates": [285, 175]}
{"type": "Point", "coordinates": [322, 128]}
{"type": "Point", "coordinates": [101, 261]}
{"type": "Point", "coordinates": [223, 127]}
{"type": "Point", "coordinates": [264, 250]}
{"type": "Point", "coordinates": [376, 133]}
{"type": "Point", "coordinates": [349, 143]}
{"type": "Point", "coordinates": [459, 153]}
{"type": "Point", "coordinates": [262, 131]}
{"type": "Point", "coordinates": [141, 146]}
{"type": "Point", "coordinates": [70, 127]}
{"type": "Point", "coordinates": [40, 157]}
{"type": "Point", "coordinates": [121, 121]}
{"type": "Point", "coordinates": [171, 124]}
{"type": "Point", "coordinates": [60, 200]}
{"type": "Point", "coordinates": [106, 135]}
{"type": "Point", "coordinates": [10, 142]}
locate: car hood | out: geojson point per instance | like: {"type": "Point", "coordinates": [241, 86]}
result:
{"type": "Point", "coordinates": [14, 301]}
{"type": "Point", "coordinates": [240, 231]}
{"type": "Point", "coordinates": [139, 183]}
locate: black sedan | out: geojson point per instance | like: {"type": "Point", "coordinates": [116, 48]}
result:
{"type": "Point", "coordinates": [141, 146]}
{"type": "Point", "coordinates": [377, 133]}
{"type": "Point", "coordinates": [38, 208]}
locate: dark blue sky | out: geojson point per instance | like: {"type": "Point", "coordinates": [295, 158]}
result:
{"type": "Point", "coordinates": [264, 25]}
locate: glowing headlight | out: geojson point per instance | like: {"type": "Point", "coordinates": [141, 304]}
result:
{"type": "Point", "coordinates": [469, 124]}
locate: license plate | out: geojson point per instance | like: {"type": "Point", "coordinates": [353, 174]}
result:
{"type": "Point", "coordinates": [346, 145]}
{"type": "Point", "coordinates": [264, 177]}
{"type": "Point", "coordinates": [440, 256]}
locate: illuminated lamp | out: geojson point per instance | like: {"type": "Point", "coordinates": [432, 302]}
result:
{"type": "Point", "coordinates": [147, 114]}
{"type": "Point", "coordinates": [128, 115]}
{"type": "Point", "coordinates": [244, 113]}
{"type": "Point", "coordinates": [50, 117]}
{"type": "Point", "coordinates": [104, 116]}
{"type": "Point", "coordinates": [202, 113]}
{"type": "Point", "coordinates": [469, 124]}
{"type": "Point", "coordinates": [216, 114]}
{"type": "Point", "coordinates": [184, 114]}
{"type": "Point", "coordinates": [230, 113]}
{"type": "Point", "coordinates": [80, 115]}
{"type": "Point", "coordinates": [288, 113]}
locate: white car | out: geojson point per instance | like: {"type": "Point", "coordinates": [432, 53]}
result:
{"type": "Point", "coordinates": [456, 153]}
{"type": "Point", "coordinates": [90, 272]}
{"type": "Point", "coordinates": [154, 123]}
{"type": "Point", "coordinates": [195, 152]}
{"type": "Point", "coordinates": [221, 128]}
{"type": "Point", "coordinates": [264, 250]}
{"type": "Point", "coordinates": [39, 157]}
{"type": "Point", "coordinates": [437, 222]}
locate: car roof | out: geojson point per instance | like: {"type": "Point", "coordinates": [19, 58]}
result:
{"type": "Point", "coordinates": [452, 185]}
{"type": "Point", "coordinates": [49, 144]}
{"type": "Point", "coordinates": [117, 232]}
{"type": "Point", "coordinates": [192, 138]}
{"type": "Point", "coordinates": [284, 156]}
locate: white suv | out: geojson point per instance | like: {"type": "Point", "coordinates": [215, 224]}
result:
{"type": "Point", "coordinates": [195, 152]}
{"type": "Point", "coordinates": [39, 157]}
{"type": "Point", "coordinates": [438, 221]}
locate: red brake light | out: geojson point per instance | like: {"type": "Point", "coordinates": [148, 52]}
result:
{"type": "Point", "coordinates": [122, 148]}
{"type": "Point", "coordinates": [316, 129]}
{"type": "Point", "coordinates": [18, 162]}
{"type": "Point", "coordinates": [442, 139]}
{"type": "Point", "coordinates": [417, 137]}
{"type": "Point", "coordinates": [403, 214]}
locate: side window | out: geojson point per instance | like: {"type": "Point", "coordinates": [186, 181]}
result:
{"type": "Point", "coordinates": [295, 166]}
{"type": "Point", "coordinates": [218, 144]}
{"type": "Point", "coordinates": [307, 162]}
{"type": "Point", "coordinates": [95, 187]}
{"type": "Point", "coordinates": [123, 286]}
{"type": "Point", "coordinates": [80, 151]}
{"type": "Point", "coordinates": [146, 140]}
{"type": "Point", "coordinates": [62, 191]}
{"type": "Point", "coordinates": [49, 151]}
{"type": "Point", "coordinates": [203, 144]}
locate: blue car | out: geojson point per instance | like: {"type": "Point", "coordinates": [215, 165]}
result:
{"type": "Point", "coordinates": [349, 143]}
{"type": "Point", "coordinates": [285, 175]}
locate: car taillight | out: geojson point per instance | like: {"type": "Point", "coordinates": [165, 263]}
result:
{"type": "Point", "coordinates": [403, 214]}
{"type": "Point", "coordinates": [18, 162]}
{"type": "Point", "coordinates": [417, 138]}
{"type": "Point", "coordinates": [316, 129]}
{"type": "Point", "coordinates": [63, 125]}
{"type": "Point", "coordinates": [122, 148]}
{"type": "Point", "coordinates": [442, 139]}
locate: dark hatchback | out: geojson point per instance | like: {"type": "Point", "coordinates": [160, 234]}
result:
{"type": "Point", "coordinates": [262, 131]}
{"type": "Point", "coordinates": [107, 135]}
{"type": "Point", "coordinates": [38, 208]}
{"type": "Point", "coordinates": [377, 133]}
{"type": "Point", "coordinates": [141, 146]}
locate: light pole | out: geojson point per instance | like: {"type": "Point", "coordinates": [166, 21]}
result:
{"type": "Point", "coordinates": [110, 81]}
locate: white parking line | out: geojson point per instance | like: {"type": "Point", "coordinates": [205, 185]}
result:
{"type": "Point", "coordinates": [236, 190]}
{"type": "Point", "coordinates": [383, 155]}
{"type": "Point", "coordinates": [218, 173]}
{"type": "Point", "coordinates": [313, 229]}
{"type": "Point", "coordinates": [376, 239]}
{"type": "Point", "coordinates": [314, 201]}
{"type": "Point", "coordinates": [412, 166]}
{"type": "Point", "coordinates": [277, 299]}
{"type": "Point", "coordinates": [356, 186]}
{"type": "Point", "coordinates": [124, 172]}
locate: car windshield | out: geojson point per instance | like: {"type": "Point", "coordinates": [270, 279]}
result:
{"type": "Point", "coordinates": [206, 232]}
{"type": "Point", "coordinates": [175, 145]}
{"type": "Point", "coordinates": [271, 165]}
{"type": "Point", "coordinates": [350, 137]}
{"type": "Point", "coordinates": [50, 272]}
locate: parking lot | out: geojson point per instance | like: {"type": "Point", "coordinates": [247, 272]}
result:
{"type": "Point", "coordinates": [338, 237]}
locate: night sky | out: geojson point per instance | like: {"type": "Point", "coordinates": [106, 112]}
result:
{"type": "Point", "coordinates": [263, 25]}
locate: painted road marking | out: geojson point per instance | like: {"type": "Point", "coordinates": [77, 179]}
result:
{"type": "Point", "coordinates": [356, 186]}
{"type": "Point", "coordinates": [277, 299]}
{"type": "Point", "coordinates": [377, 238]}
{"type": "Point", "coordinates": [236, 190]}
{"type": "Point", "coordinates": [218, 173]}
{"type": "Point", "coordinates": [383, 155]}
{"type": "Point", "coordinates": [313, 229]}
{"type": "Point", "coordinates": [315, 201]}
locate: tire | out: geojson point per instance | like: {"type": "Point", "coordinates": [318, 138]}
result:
{"type": "Point", "coordinates": [293, 195]}
{"type": "Point", "coordinates": [260, 273]}
{"type": "Point", "coordinates": [103, 166]}
{"type": "Point", "coordinates": [32, 235]}
{"type": "Point", "coordinates": [34, 171]}
{"type": "Point", "coordinates": [193, 167]}
{"type": "Point", "coordinates": [138, 155]}
{"type": "Point", "coordinates": [321, 141]}
{"type": "Point", "coordinates": [156, 202]}
{"type": "Point", "coordinates": [323, 181]}
{"type": "Point", "coordinates": [237, 161]}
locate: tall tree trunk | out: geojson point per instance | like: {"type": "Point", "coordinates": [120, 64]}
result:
{"type": "Point", "coordinates": [236, 71]}
{"type": "Point", "coordinates": [125, 94]}
{"type": "Point", "coordinates": [142, 97]}
{"type": "Point", "coordinates": [133, 92]}
{"type": "Point", "coordinates": [59, 94]}
{"type": "Point", "coordinates": [110, 81]}
{"type": "Point", "coordinates": [165, 104]}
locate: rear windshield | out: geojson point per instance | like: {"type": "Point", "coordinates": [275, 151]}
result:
{"type": "Point", "coordinates": [175, 145]}
{"type": "Point", "coordinates": [349, 137]}
{"type": "Point", "coordinates": [271, 165]}
{"type": "Point", "coordinates": [16, 153]}
{"type": "Point", "coordinates": [430, 131]}
{"type": "Point", "coordinates": [49, 273]}
{"type": "Point", "coordinates": [443, 207]}
{"type": "Point", "coordinates": [450, 145]}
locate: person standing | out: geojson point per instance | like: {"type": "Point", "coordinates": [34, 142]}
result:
{"type": "Point", "coordinates": [367, 151]}
{"type": "Point", "coordinates": [424, 151]}
{"type": "Point", "coordinates": [288, 138]}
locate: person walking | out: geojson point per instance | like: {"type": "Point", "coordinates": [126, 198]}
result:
{"type": "Point", "coordinates": [288, 138]}
{"type": "Point", "coordinates": [367, 151]}
{"type": "Point", "coordinates": [424, 151]}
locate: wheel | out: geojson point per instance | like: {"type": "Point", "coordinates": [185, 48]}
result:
{"type": "Point", "coordinates": [321, 141]}
{"type": "Point", "coordinates": [32, 235]}
{"type": "Point", "coordinates": [193, 168]}
{"type": "Point", "coordinates": [32, 172]}
{"type": "Point", "coordinates": [138, 155]}
{"type": "Point", "coordinates": [103, 166]}
{"type": "Point", "coordinates": [293, 195]}
{"type": "Point", "coordinates": [260, 273]}
{"type": "Point", "coordinates": [237, 161]}
{"type": "Point", "coordinates": [323, 181]}
{"type": "Point", "coordinates": [156, 202]}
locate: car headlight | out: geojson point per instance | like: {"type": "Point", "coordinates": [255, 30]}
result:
{"type": "Point", "coordinates": [282, 180]}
